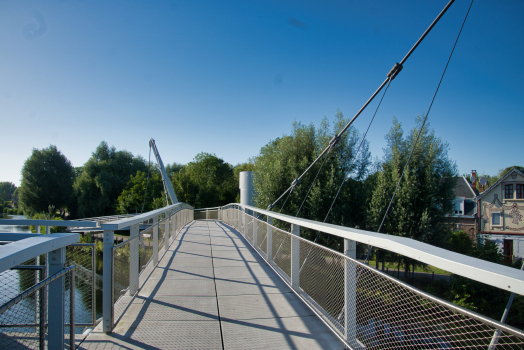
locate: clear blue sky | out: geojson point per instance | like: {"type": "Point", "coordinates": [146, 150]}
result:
{"type": "Point", "coordinates": [226, 77]}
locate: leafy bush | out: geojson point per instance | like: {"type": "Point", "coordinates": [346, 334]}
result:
{"type": "Point", "coordinates": [47, 216]}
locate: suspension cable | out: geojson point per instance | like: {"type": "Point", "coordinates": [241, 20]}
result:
{"type": "Point", "coordinates": [421, 127]}
{"type": "Point", "coordinates": [310, 187]}
{"type": "Point", "coordinates": [346, 175]}
{"type": "Point", "coordinates": [147, 181]}
{"type": "Point", "coordinates": [390, 76]}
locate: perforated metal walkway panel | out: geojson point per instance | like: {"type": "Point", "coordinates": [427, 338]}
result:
{"type": "Point", "coordinates": [213, 291]}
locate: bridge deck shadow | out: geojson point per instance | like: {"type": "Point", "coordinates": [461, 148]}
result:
{"type": "Point", "coordinates": [211, 290]}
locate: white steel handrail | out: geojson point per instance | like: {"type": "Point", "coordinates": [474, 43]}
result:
{"type": "Point", "coordinates": [15, 253]}
{"type": "Point", "coordinates": [37, 222]}
{"type": "Point", "coordinates": [123, 223]}
{"type": "Point", "coordinates": [496, 275]}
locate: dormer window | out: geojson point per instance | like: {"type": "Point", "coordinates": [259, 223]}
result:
{"type": "Point", "coordinates": [508, 191]}
{"type": "Point", "coordinates": [458, 206]}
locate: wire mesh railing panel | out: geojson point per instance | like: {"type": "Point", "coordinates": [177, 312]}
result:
{"type": "Point", "coordinates": [161, 237]}
{"type": "Point", "coordinates": [15, 281]}
{"type": "Point", "coordinates": [249, 227]}
{"type": "Point", "coordinates": [212, 214]}
{"type": "Point", "coordinates": [200, 215]}
{"type": "Point", "coordinates": [372, 309]}
{"type": "Point", "coordinates": [262, 236]}
{"type": "Point", "coordinates": [24, 312]}
{"type": "Point", "coordinates": [30, 320]}
{"type": "Point", "coordinates": [322, 279]}
{"type": "Point", "coordinates": [145, 248]}
{"type": "Point", "coordinates": [82, 257]}
{"type": "Point", "coordinates": [281, 248]}
{"type": "Point", "coordinates": [122, 296]}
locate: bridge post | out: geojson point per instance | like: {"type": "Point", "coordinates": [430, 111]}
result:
{"type": "Point", "coordinates": [166, 230]}
{"type": "Point", "coordinates": [255, 240]}
{"type": "Point", "coordinates": [134, 259]}
{"type": "Point", "coordinates": [155, 240]}
{"type": "Point", "coordinates": [295, 257]}
{"type": "Point", "coordinates": [55, 299]}
{"type": "Point", "coordinates": [269, 240]}
{"type": "Point", "coordinates": [107, 292]}
{"type": "Point", "coordinates": [350, 306]}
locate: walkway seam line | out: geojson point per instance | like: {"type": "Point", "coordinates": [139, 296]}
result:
{"type": "Point", "coordinates": [215, 283]}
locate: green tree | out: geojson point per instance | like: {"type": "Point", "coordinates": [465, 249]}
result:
{"type": "Point", "coordinates": [103, 178]}
{"type": "Point", "coordinates": [207, 181]}
{"type": "Point", "coordinates": [284, 159]}
{"type": "Point", "coordinates": [426, 192]}
{"type": "Point", "coordinates": [47, 179]}
{"type": "Point", "coordinates": [132, 197]}
{"type": "Point", "coordinates": [7, 190]}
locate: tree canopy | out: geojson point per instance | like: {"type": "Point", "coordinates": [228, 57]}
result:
{"type": "Point", "coordinates": [102, 179]}
{"type": "Point", "coordinates": [132, 197]}
{"type": "Point", "coordinates": [426, 192]}
{"type": "Point", "coordinates": [284, 159]}
{"type": "Point", "coordinates": [7, 189]}
{"type": "Point", "coordinates": [207, 181]}
{"type": "Point", "coordinates": [47, 180]}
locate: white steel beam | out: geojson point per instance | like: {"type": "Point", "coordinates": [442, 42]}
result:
{"type": "Point", "coordinates": [16, 253]}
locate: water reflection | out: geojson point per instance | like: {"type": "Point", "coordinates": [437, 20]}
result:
{"type": "Point", "coordinates": [14, 228]}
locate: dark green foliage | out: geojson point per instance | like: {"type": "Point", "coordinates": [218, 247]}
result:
{"type": "Point", "coordinates": [102, 180]}
{"type": "Point", "coordinates": [47, 179]}
{"type": "Point", "coordinates": [284, 159]}
{"type": "Point", "coordinates": [7, 190]}
{"type": "Point", "coordinates": [132, 197]}
{"type": "Point", "coordinates": [207, 181]}
{"type": "Point", "coordinates": [461, 242]}
{"type": "Point", "coordinates": [426, 192]}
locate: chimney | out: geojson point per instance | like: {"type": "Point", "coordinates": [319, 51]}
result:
{"type": "Point", "coordinates": [474, 179]}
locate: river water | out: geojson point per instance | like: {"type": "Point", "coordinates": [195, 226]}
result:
{"type": "Point", "coordinates": [14, 228]}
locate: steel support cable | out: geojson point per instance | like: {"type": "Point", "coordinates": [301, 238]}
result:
{"type": "Point", "coordinates": [390, 76]}
{"type": "Point", "coordinates": [312, 184]}
{"type": "Point", "coordinates": [349, 170]}
{"type": "Point", "coordinates": [310, 187]}
{"type": "Point", "coordinates": [421, 127]}
{"type": "Point", "coordinates": [147, 181]}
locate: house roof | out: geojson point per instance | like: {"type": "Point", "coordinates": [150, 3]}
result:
{"type": "Point", "coordinates": [463, 188]}
{"type": "Point", "coordinates": [500, 180]}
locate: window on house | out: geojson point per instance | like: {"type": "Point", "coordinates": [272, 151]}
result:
{"type": "Point", "coordinates": [520, 191]}
{"type": "Point", "coordinates": [508, 191]}
{"type": "Point", "coordinates": [495, 219]}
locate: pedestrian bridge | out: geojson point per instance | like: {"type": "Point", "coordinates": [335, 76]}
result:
{"type": "Point", "coordinates": [237, 277]}
{"type": "Point", "coordinates": [212, 290]}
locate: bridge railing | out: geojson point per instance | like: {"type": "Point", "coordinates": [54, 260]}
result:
{"type": "Point", "coordinates": [129, 264]}
{"type": "Point", "coordinates": [369, 309]}
{"type": "Point", "coordinates": [33, 306]}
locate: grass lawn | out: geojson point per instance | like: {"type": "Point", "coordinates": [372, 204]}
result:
{"type": "Point", "coordinates": [393, 266]}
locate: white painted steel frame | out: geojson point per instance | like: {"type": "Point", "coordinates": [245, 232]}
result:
{"type": "Point", "coordinates": [123, 223]}
{"type": "Point", "coordinates": [61, 223]}
{"type": "Point", "coordinates": [15, 253]}
{"type": "Point", "coordinates": [496, 275]}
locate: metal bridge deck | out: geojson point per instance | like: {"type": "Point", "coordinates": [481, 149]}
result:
{"type": "Point", "coordinates": [211, 290]}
